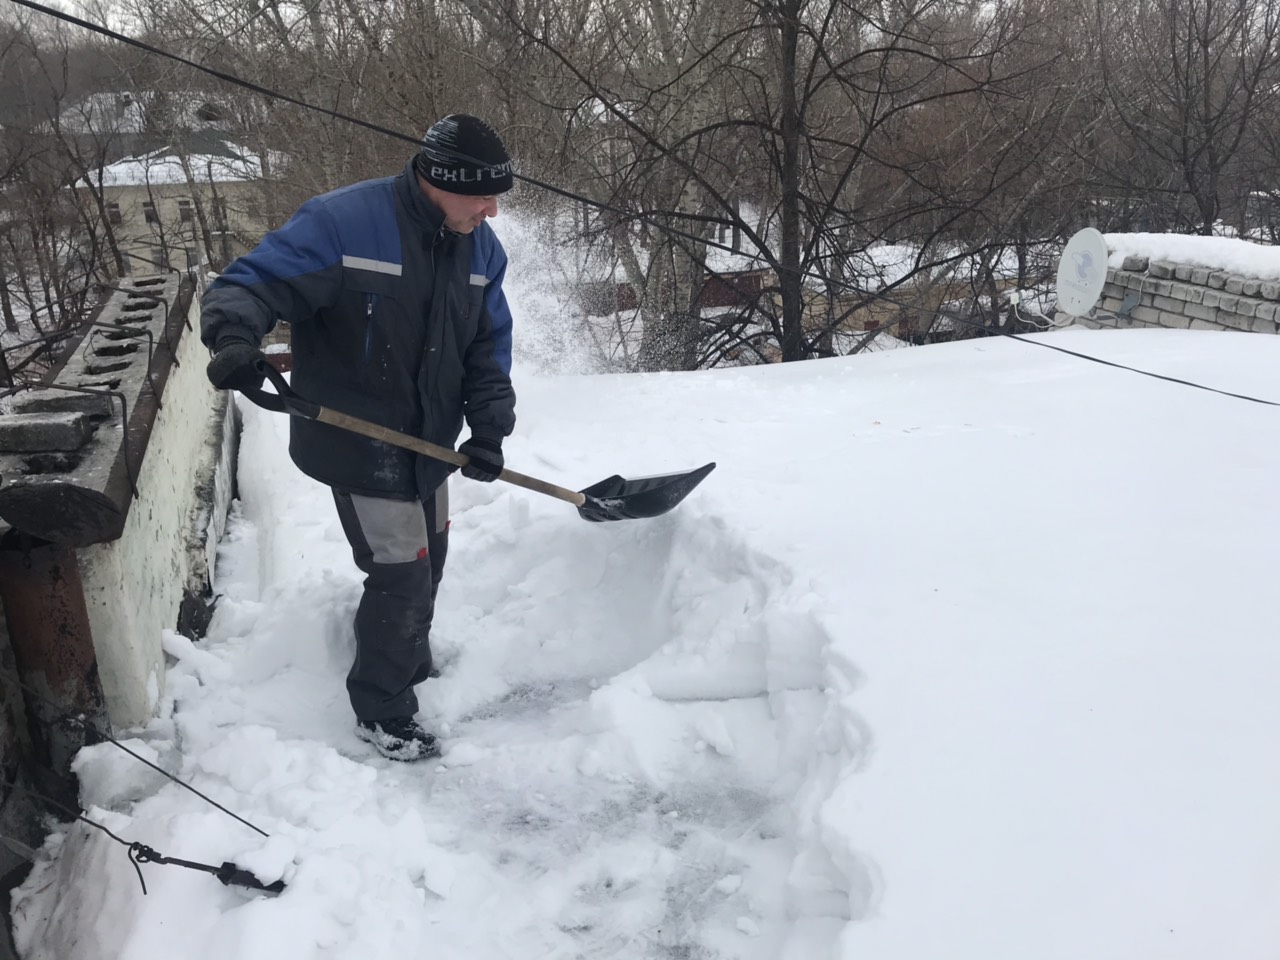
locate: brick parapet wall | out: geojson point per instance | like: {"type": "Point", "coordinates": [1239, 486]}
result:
{"type": "Point", "coordinates": [1161, 293]}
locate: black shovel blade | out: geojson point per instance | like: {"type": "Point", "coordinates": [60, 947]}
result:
{"type": "Point", "coordinates": [617, 498]}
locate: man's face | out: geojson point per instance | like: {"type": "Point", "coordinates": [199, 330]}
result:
{"type": "Point", "coordinates": [462, 213]}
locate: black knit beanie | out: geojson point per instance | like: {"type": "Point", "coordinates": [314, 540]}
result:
{"type": "Point", "coordinates": [463, 154]}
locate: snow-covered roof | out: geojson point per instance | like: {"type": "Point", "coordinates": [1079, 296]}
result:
{"type": "Point", "coordinates": [718, 748]}
{"type": "Point", "coordinates": [163, 167]}
{"type": "Point", "coordinates": [106, 112]}
{"type": "Point", "coordinates": [135, 112]}
{"type": "Point", "coordinates": [877, 265]}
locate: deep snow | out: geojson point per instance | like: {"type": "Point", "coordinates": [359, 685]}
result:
{"type": "Point", "coordinates": [964, 651]}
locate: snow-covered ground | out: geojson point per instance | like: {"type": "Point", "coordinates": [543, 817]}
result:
{"type": "Point", "coordinates": [965, 651]}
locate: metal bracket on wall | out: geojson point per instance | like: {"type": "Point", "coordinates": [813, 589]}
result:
{"type": "Point", "coordinates": [53, 459]}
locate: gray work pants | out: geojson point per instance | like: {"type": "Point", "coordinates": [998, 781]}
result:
{"type": "Point", "coordinates": [400, 546]}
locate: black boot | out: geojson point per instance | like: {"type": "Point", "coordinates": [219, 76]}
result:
{"type": "Point", "coordinates": [401, 738]}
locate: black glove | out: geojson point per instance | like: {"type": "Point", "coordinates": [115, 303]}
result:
{"type": "Point", "coordinates": [237, 365]}
{"type": "Point", "coordinates": [486, 459]}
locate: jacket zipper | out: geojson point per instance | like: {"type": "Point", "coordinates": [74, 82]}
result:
{"type": "Point", "coordinates": [435, 273]}
{"type": "Point", "coordinates": [370, 300]}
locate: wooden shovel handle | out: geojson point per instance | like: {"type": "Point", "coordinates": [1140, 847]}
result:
{"type": "Point", "coordinates": [437, 452]}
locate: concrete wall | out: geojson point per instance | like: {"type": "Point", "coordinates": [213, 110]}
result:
{"type": "Point", "coordinates": [152, 577]}
{"type": "Point", "coordinates": [135, 586]}
{"type": "Point", "coordinates": [1161, 293]}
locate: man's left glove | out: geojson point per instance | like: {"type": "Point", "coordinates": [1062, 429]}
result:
{"type": "Point", "coordinates": [237, 365]}
{"type": "Point", "coordinates": [486, 459]}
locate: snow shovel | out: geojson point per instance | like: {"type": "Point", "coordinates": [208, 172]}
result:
{"type": "Point", "coordinates": [614, 498]}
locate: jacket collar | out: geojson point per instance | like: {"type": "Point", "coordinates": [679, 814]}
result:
{"type": "Point", "coordinates": [420, 209]}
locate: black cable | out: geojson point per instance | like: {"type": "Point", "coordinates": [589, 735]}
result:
{"type": "Point", "coordinates": [1145, 373]}
{"type": "Point", "coordinates": [84, 722]}
{"type": "Point", "coordinates": [376, 128]}
{"type": "Point", "coordinates": [140, 853]}
{"type": "Point", "coordinates": [664, 228]}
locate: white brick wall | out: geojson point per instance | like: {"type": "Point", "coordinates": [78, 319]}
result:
{"type": "Point", "coordinates": [1186, 296]}
{"type": "Point", "coordinates": [134, 585]}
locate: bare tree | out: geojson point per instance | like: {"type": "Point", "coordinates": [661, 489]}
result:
{"type": "Point", "coordinates": [823, 114]}
{"type": "Point", "coordinates": [56, 238]}
{"type": "Point", "coordinates": [876, 161]}
{"type": "Point", "coordinates": [1187, 84]}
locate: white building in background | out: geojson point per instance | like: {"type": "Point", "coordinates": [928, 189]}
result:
{"type": "Point", "coordinates": [172, 208]}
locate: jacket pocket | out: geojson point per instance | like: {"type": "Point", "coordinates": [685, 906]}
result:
{"type": "Point", "coordinates": [369, 297]}
{"type": "Point", "coordinates": [471, 319]}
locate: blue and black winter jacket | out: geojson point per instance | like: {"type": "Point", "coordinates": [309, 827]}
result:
{"type": "Point", "coordinates": [395, 319]}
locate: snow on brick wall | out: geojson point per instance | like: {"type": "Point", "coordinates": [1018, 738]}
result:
{"type": "Point", "coordinates": [1227, 254]}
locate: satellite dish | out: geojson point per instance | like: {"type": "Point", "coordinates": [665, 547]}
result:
{"type": "Point", "coordinates": [1082, 271]}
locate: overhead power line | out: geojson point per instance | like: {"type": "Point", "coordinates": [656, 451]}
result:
{"type": "Point", "coordinates": [600, 205]}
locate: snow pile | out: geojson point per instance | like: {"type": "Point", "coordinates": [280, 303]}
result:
{"type": "Point", "coordinates": [963, 651]}
{"type": "Point", "coordinates": [1229, 254]}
